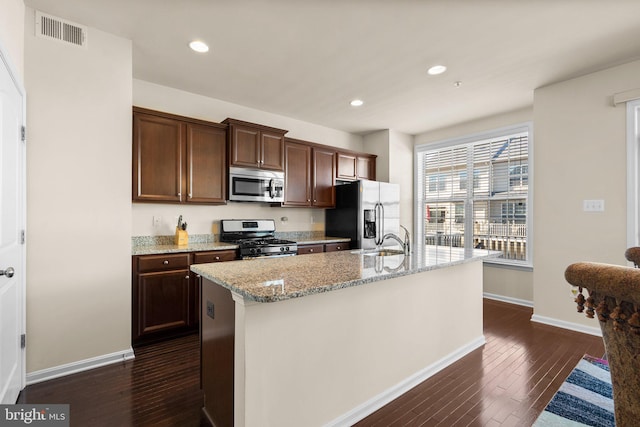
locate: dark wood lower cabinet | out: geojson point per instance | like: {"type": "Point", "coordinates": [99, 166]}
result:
{"type": "Point", "coordinates": [316, 248]}
{"type": "Point", "coordinates": [166, 294]}
{"type": "Point", "coordinates": [163, 301]}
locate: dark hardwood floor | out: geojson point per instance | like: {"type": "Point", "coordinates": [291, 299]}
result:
{"type": "Point", "coordinates": [507, 382]}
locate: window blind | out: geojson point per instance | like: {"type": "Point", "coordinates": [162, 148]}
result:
{"type": "Point", "coordinates": [475, 194]}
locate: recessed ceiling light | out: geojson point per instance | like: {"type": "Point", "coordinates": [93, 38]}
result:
{"type": "Point", "coordinates": [357, 103]}
{"type": "Point", "coordinates": [436, 69]}
{"type": "Point", "coordinates": [199, 46]}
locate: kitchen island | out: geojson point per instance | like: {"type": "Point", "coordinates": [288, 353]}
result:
{"type": "Point", "coordinates": [327, 339]}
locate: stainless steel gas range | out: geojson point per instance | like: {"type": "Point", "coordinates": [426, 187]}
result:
{"type": "Point", "coordinates": [256, 238]}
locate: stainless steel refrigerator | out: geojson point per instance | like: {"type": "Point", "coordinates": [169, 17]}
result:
{"type": "Point", "coordinates": [365, 211]}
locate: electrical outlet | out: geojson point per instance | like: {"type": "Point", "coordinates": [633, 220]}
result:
{"type": "Point", "coordinates": [157, 221]}
{"type": "Point", "coordinates": [210, 309]}
{"type": "Point", "coordinates": [593, 205]}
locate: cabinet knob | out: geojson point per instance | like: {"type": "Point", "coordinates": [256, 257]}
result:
{"type": "Point", "coordinates": [338, 247]}
{"type": "Point", "coordinates": [310, 250]}
{"type": "Point", "coordinates": [179, 194]}
{"type": "Point", "coordinates": [186, 277]}
{"type": "Point", "coordinates": [217, 258]}
{"type": "Point", "coordinates": [190, 195]}
{"type": "Point", "coordinates": [165, 262]}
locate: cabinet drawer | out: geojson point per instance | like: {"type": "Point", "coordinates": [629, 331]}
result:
{"type": "Point", "coordinates": [163, 262]}
{"type": "Point", "coordinates": [332, 247]}
{"type": "Point", "coordinates": [213, 256]}
{"type": "Point", "coordinates": [310, 249]}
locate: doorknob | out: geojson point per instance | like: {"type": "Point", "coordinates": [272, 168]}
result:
{"type": "Point", "coordinates": [9, 272]}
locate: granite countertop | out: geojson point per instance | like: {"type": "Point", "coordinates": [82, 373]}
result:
{"type": "Point", "coordinates": [277, 279]}
{"type": "Point", "coordinates": [143, 245]}
{"type": "Point", "coordinates": [155, 249]}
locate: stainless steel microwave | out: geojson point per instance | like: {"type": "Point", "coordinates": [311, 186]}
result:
{"type": "Point", "coordinates": [256, 185]}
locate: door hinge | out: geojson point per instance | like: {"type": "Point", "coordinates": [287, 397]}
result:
{"type": "Point", "coordinates": [23, 133]}
{"type": "Point", "coordinates": [23, 341]}
{"type": "Point", "coordinates": [22, 238]}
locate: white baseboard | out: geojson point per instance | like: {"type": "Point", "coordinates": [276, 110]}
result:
{"type": "Point", "coordinates": [377, 402]}
{"type": "Point", "coordinates": [568, 325]}
{"type": "Point", "coordinates": [79, 366]}
{"type": "Point", "coordinates": [508, 299]}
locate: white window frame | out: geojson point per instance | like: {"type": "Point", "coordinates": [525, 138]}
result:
{"type": "Point", "coordinates": [633, 173]}
{"type": "Point", "coordinates": [491, 134]}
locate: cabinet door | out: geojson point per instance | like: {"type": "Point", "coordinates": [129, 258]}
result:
{"type": "Point", "coordinates": [323, 182]}
{"type": "Point", "coordinates": [346, 166]}
{"type": "Point", "coordinates": [366, 167]}
{"type": "Point", "coordinates": [206, 164]}
{"type": "Point", "coordinates": [297, 187]}
{"type": "Point", "coordinates": [158, 147]}
{"type": "Point", "coordinates": [245, 146]}
{"type": "Point", "coordinates": [162, 302]}
{"type": "Point", "coordinates": [272, 151]}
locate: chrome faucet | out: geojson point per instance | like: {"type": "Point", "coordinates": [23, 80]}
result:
{"type": "Point", "coordinates": [407, 241]}
{"type": "Point", "coordinates": [406, 244]}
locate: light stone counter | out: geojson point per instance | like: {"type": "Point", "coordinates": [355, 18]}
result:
{"type": "Point", "coordinates": [277, 279]}
{"type": "Point", "coordinates": [154, 245]}
{"type": "Point", "coordinates": [155, 249]}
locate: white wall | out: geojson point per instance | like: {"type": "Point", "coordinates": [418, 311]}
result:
{"type": "Point", "coordinates": [401, 172]}
{"type": "Point", "coordinates": [202, 219]}
{"type": "Point", "coordinates": [508, 283]}
{"type": "Point", "coordinates": [395, 164]}
{"type": "Point", "coordinates": [580, 153]}
{"type": "Point", "coordinates": [12, 33]}
{"type": "Point", "coordinates": [79, 198]}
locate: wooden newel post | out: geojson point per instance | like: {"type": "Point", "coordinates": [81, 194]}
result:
{"type": "Point", "coordinates": [613, 296]}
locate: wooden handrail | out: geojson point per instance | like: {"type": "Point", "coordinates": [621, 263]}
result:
{"type": "Point", "coordinates": [619, 282]}
{"type": "Point", "coordinates": [614, 295]}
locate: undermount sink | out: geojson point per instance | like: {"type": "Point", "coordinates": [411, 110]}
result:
{"type": "Point", "coordinates": [379, 252]}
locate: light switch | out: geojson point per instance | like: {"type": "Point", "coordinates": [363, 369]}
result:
{"type": "Point", "coordinates": [593, 205]}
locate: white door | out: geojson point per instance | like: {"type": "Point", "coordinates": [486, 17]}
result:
{"type": "Point", "coordinates": [12, 248]}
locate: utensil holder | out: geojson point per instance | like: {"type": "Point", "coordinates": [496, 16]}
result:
{"type": "Point", "coordinates": [182, 237]}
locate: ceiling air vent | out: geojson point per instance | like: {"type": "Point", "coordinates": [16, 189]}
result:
{"type": "Point", "coordinates": [52, 27]}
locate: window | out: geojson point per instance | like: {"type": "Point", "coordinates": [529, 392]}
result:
{"type": "Point", "coordinates": [437, 183]}
{"type": "Point", "coordinates": [491, 214]}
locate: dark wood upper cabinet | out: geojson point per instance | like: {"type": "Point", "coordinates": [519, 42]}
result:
{"type": "Point", "coordinates": [297, 186]}
{"type": "Point", "coordinates": [254, 145]}
{"type": "Point", "coordinates": [352, 166]}
{"type": "Point", "coordinates": [178, 159]}
{"type": "Point", "coordinates": [206, 164]}
{"type": "Point", "coordinates": [366, 166]}
{"type": "Point", "coordinates": [309, 175]}
{"type": "Point", "coordinates": [346, 166]}
{"type": "Point", "coordinates": [324, 195]}
{"type": "Point", "coordinates": [158, 153]}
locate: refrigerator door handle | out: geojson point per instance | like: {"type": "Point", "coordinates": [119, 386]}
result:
{"type": "Point", "coordinates": [379, 223]}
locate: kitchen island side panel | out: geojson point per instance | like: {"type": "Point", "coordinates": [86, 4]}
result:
{"type": "Point", "coordinates": [313, 360]}
{"type": "Point", "coordinates": [217, 352]}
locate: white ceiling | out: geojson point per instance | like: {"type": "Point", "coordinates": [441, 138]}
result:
{"type": "Point", "coordinates": [307, 59]}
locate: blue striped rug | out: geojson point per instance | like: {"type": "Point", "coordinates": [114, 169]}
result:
{"type": "Point", "coordinates": [584, 399]}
